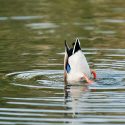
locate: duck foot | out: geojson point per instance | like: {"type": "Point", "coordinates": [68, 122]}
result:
{"type": "Point", "coordinates": [94, 74]}
{"type": "Point", "coordinates": [87, 79]}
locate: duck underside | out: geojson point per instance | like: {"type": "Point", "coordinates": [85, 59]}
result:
{"type": "Point", "coordinates": [79, 67]}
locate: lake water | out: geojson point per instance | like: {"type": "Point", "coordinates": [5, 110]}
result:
{"type": "Point", "coordinates": [32, 34]}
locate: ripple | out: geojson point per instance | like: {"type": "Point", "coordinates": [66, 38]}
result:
{"type": "Point", "coordinates": [41, 79]}
{"type": "Point", "coordinates": [35, 104]}
{"type": "Point", "coordinates": [74, 104]}
{"type": "Point", "coordinates": [3, 18]}
{"type": "Point", "coordinates": [105, 32]}
{"type": "Point", "coordinates": [32, 74]}
{"type": "Point", "coordinates": [36, 99]}
{"type": "Point", "coordinates": [21, 114]}
{"type": "Point", "coordinates": [26, 17]}
{"type": "Point", "coordinates": [20, 17]}
{"type": "Point", "coordinates": [106, 79]}
{"type": "Point", "coordinates": [114, 21]}
{"type": "Point", "coordinates": [42, 25]}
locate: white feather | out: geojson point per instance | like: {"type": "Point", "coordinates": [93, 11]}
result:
{"type": "Point", "coordinates": [79, 66]}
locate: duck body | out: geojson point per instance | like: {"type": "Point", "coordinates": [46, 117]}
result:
{"type": "Point", "coordinates": [79, 66]}
{"type": "Point", "coordinates": [76, 67]}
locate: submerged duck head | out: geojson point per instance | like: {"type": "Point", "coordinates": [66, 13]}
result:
{"type": "Point", "coordinates": [76, 67]}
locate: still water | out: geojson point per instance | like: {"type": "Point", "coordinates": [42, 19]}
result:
{"type": "Point", "coordinates": [32, 34]}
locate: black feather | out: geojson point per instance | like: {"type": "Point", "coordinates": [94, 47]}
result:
{"type": "Point", "coordinates": [76, 46]}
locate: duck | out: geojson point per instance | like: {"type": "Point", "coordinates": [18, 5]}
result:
{"type": "Point", "coordinates": [76, 67]}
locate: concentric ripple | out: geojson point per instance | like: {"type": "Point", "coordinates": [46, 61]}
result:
{"type": "Point", "coordinates": [106, 79]}
{"type": "Point", "coordinates": [38, 78]}
{"type": "Point", "coordinates": [45, 99]}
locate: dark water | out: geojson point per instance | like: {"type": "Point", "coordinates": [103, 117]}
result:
{"type": "Point", "coordinates": [32, 34]}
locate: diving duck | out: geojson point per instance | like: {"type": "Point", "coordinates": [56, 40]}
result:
{"type": "Point", "coordinates": [76, 67]}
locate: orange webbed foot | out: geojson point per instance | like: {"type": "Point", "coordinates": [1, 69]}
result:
{"type": "Point", "coordinates": [87, 79]}
{"type": "Point", "coordinates": [94, 74]}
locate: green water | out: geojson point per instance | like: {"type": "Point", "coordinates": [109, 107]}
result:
{"type": "Point", "coordinates": [32, 34]}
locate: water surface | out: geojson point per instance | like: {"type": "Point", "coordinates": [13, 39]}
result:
{"type": "Point", "coordinates": [32, 89]}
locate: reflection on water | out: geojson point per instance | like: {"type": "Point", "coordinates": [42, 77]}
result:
{"type": "Point", "coordinates": [32, 90]}
{"type": "Point", "coordinates": [73, 95]}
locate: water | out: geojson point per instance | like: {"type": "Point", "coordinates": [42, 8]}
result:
{"type": "Point", "coordinates": [32, 34]}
